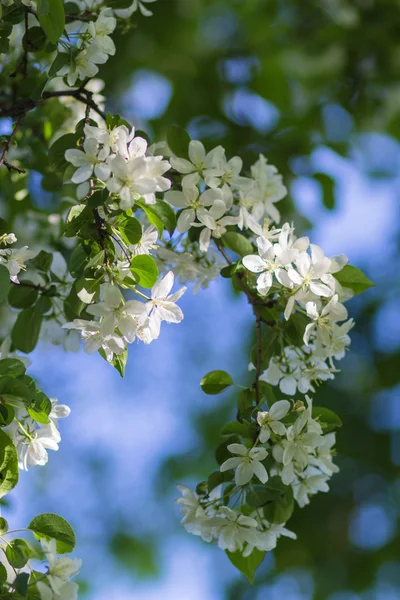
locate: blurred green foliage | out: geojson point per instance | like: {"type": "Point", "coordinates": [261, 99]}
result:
{"type": "Point", "coordinates": [282, 77]}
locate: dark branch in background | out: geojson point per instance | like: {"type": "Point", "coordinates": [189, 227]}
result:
{"type": "Point", "coordinates": [80, 94]}
{"type": "Point", "coordinates": [3, 157]}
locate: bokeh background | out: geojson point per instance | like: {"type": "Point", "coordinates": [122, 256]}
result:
{"type": "Point", "coordinates": [314, 85]}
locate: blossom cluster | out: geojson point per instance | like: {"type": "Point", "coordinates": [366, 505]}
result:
{"type": "Point", "coordinates": [13, 258]}
{"type": "Point", "coordinates": [290, 445]}
{"type": "Point", "coordinates": [121, 322]}
{"type": "Point", "coordinates": [32, 440]}
{"type": "Point", "coordinates": [56, 582]}
{"type": "Point", "coordinates": [303, 277]}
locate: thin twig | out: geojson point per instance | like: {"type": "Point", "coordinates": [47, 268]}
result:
{"type": "Point", "coordinates": [3, 157]}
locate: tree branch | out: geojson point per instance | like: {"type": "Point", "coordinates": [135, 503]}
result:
{"type": "Point", "coordinates": [80, 94]}
{"type": "Point", "coordinates": [3, 157]}
{"type": "Point", "coordinates": [254, 301]}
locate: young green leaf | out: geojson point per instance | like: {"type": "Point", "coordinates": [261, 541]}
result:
{"type": "Point", "coordinates": [130, 230]}
{"type": "Point", "coordinates": [18, 553]}
{"type": "Point", "coordinates": [328, 419]}
{"type": "Point", "coordinates": [87, 289]}
{"type": "Point", "coordinates": [237, 243]}
{"type": "Point", "coordinates": [11, 367]}
{"type": "Point", "coordinates": [5, 283]}
{"type": "Point", "coordinates": [353, 278]}
{"type": "Point", "coordinates": [51, 17]}
{"type": "Point", "coordinates": [50, 526]}
{"type": "Point", "coordinates": [9, 472]}
{"type": "Point", "coordinates": [217, 478]}
{"type": "Point", "coordinates": [166, 214]}
{"type": "Point", "coordinates": [145, 270]}
{"type": "Point", "coordinates": [23, 295]}
{"type": "Point", "coordinates": [25, 333]}
{"type": "Point", "coordinates": [216, 382]}
{"type": "Point", "coordinates": [152, 216]}
{"type": "Point", "coordinates": [246, 565]}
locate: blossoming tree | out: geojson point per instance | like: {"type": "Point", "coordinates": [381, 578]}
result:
{"type": "Point", "coordinates": [135, 218]}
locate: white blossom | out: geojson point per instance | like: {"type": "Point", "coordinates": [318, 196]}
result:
{"type": "Point", "coordinates": [33, 442]}
{"type": "Point", "coordinates": [247, 463]}
{"type": "Point", "coordinates": [14, 260]}
{"type": "Point", "coordinates": [271, 420]}
{"type": "Point", "coordinates": [235, 530]}
{"type": "Point", "coordinates": [191, 201]}
{"type": "Point", "coordinates": [90, 161]}
{"type": "Point", "coordinates": [162, 305]}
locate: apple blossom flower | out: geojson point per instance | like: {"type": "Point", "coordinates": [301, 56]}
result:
{"type": "Point", "coordinates": [190, 200]}
{"type": "Point", "coordinates": [271, 420]}
{"type": "Point", "coordinates": [162, 305]}
{"type": "Point", "coordinates": [247, 463]}
{"type": "Point", "coordinates": [89, 161]}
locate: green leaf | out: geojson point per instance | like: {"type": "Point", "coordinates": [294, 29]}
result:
{"type": "Point", "coordinates": [50, 526]}
{"type": "Point", "coordinates": [3, 574]}
{"type": "Point", "coordinates": [281, 510]}
{"type": "Point", "coordinates": [35, 39]}
{"type": "Point", "coordinates": [7, 414]}
{"type": "Point", "coordinates": [26, 330]}
{"type": "Point", "coordinates": [94, 267]}
{"type": "Point", "coordinates": [328, 189]}
{"type": "Point", "coordinates": [12, 367]}
{"type": "Point", "coordinates": [246, 403]}
{"type": "Point", "coordinates": [77, 261]}
{"type": "Point", "coordinates": [40, 408]}
{"type": "Point", "coordinates": [328, 419]}
{"type": "Point", "coordinates": [272, 491]}
{"type": "Point", "coordinates": [43, 261]}
{"type": "Point", "coordinates": [79, 216]}
{"type": "Point", "coordinates": [152, 216]}
{"type": "Point", "coordinates": [217, 478]}
{"type": "Point", "coordinates": [178, 140]}
{"type": "Point", "coordinates": [57, 150]}
{"type": "Point", "coordinates": [245, 430]}
{"type": "Point", "coordinates": [20, 583]}
{"type": "Point", "coordinates": [237, 243]}
{"type": "Point", "coordinates": [222, 453]}
{"type": "Point", "coordinates": [3, 526]}
{"type": "Point", "coordinates": [130, 230]}
{"type": "Point", "coordinates": [22, 296]}
{"type": "Point", "coordinates": [43, 305]}
{"type": "Point", "coordinates": [118, 362]}
{"type": "Point", "coordinates": [166, 214]}
{"type": "Point", "coordinates": [145, 270]}
{"type": "Point", "coordinates": [18, 553]}
{"type": "Point", "coordinates": [353, 278]}
{"type": "Point", "coordinates": [246, 565]}
{"type": "Point", "coordinates": [8, 464]}
{"type": "Point", "coordinates": [14, 387]}
{"type": "Point", "coordinates": [228, 271]}
{"type": "Point", "coordinates": [52, 18]}
{"type": "Point", "coordinates": [87, 289]}
{"type": "Point", "coordinates": [216, 382]}
{"type": "Point", "coordinates": [5, 283]}
{"type": "Point", "coordinates": [59, 62]}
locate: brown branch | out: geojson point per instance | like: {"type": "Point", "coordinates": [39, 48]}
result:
{"type": "Point", "coordinates": [3, 157]}
{"type": "Point", "coordinates": [37, 287]}
{"type": "Point", "coordinates": [254, 301]}
{"type": "Point", "coordinates": [80, 94]}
